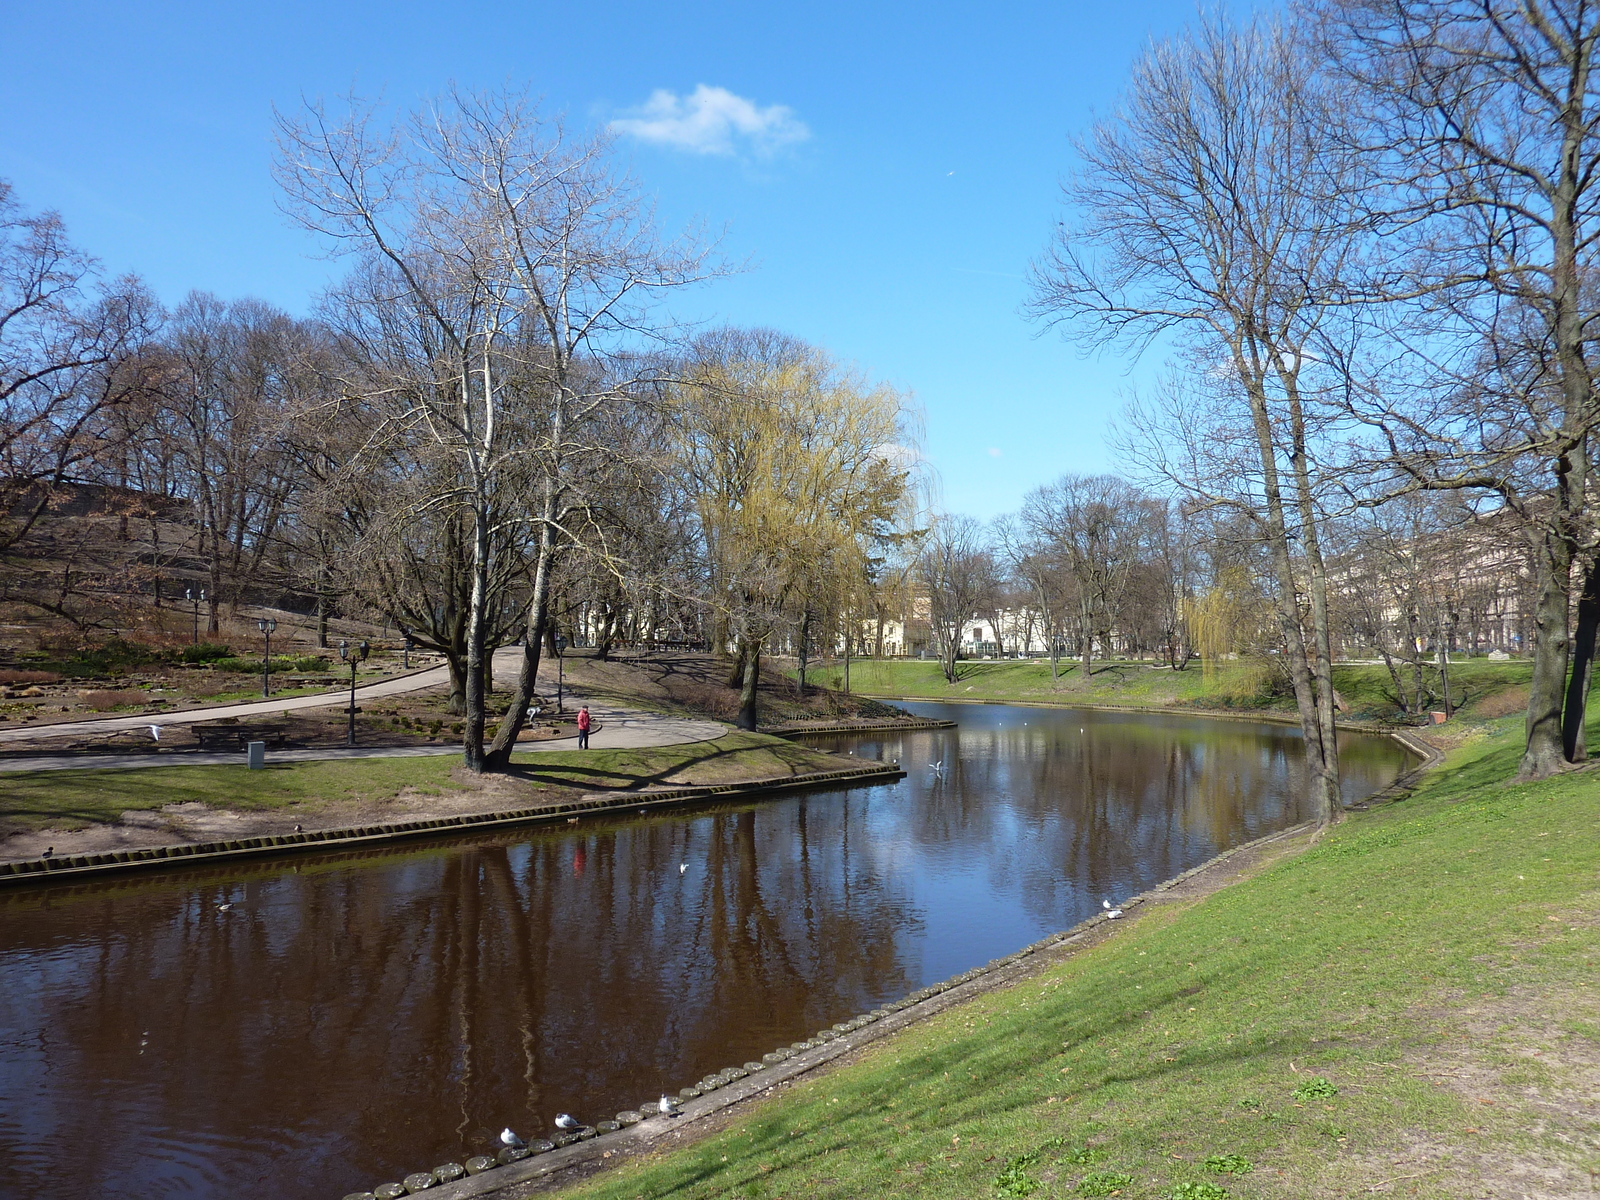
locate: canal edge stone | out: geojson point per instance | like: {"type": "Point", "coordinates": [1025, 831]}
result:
{"type": "Point", "coordinates": [85, 866]}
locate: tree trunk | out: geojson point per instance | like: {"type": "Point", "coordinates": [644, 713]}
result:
{"type": "Point", "coordinates": [1575, 742]}
{"type": "Point", "coordinates": [477, 634]}
{"type": "Point", "coordinates": [750, 654]}
{"type": "Point", "coordinates": [1545, 753]}
{"type": "Point", "coordinates": [540, 628]}
{"type": "Point", "coordinates": [458, 684]}
{"type": "Point", "coordinates": [805, 637]}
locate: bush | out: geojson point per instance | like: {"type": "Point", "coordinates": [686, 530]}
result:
{"type": "Point", "coordinates": [109, 698]}
{"type": "Point", "coordinates": [205, 652]}
{"type": "Point", "coordinates": [29, 677]}
{"type": "Point", "coordinates": [111, 658]}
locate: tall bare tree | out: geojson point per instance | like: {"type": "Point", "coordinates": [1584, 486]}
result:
{"type": "Point", "coordinates": [1212, 205]}
{"type": "Point", "coordinates": [1487, 129]}
{"type": "Point", "coordinates": [530, 264]}
{"type": "Point", "coordinates": [956, 572]}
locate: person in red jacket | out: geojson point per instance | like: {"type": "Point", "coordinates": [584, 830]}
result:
{"type": "Point", "coordinates": [583, 727]}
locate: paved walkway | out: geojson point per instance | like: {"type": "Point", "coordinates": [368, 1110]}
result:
{"type": "Point", "coordinates": [614, 727]}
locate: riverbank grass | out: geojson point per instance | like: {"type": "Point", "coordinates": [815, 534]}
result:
{"type": "Point", "coordinates": [1366, 687]}
{"type": "Point", "coordinates": [75, 799]}
{"type": "Point", "coordinates": [1408, 1008]}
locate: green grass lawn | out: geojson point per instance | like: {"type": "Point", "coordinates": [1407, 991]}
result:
{"type": "Point", "coordinates": [76, 798]}
{"type": "Point", "coordinates": [1408, 1008]}
{"type": "Point", "coordinates": [1366, 687]}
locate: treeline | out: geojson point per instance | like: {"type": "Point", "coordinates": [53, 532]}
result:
{"type": "Point", "coordinates": [489, 431]}
{"type": "Point", "coordinates": [1098, 567]}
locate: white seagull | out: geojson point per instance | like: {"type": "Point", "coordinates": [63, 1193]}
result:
{"type": "Point", "coordinates": [682, 867]}
{"type": "Point", "coordinates": [565, 1121]}
{"type": "Point", "coordinates": [938, 768]}
{"type": "Point", "coordinates": [155, 732]}
{"type": "Point", "coordinates": [507, 1138]}
{"type": "Point", "coordinates": [669, 1106]}
{"type": "Point", "coordinates": [225, 907]}
{"type": "Point", "coordinates": [1112, 913]}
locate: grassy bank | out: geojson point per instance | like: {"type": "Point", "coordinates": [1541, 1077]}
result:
{"type": "Point", "coordinates": [78, 798]}
{"type": "Point", "coordinates": [1477, 685]}
{"type": "Point", "coordinates": [1408, 1008]}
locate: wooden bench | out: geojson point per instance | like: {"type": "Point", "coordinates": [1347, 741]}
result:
{"type": "Point", "coordinates": [238, 737]}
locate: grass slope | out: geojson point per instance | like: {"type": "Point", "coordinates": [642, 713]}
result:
{"type": "Point", "coordinates": [1433, 962]}
{"type": "Point", "coordinates": [75, 798]}
{"type": "Point", "coordinates": [1366, 687]}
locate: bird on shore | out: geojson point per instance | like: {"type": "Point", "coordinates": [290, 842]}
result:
{"type": "Point", "coordinates": [49, 852]}
{"type": "Point", "coordinates": [155, 732]}
{"type": "Point", "coordinates": [1112, 913]}
{"type": "Point", "coordinates": [298, 829]}
{"type": "Point", "coordinates": [669, 1107]}
{"type": "Point", "coordinates": [507, 1138]}
{"type": "Point", "coordinates": [566, 1122]}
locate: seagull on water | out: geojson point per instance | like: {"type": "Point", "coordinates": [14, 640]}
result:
{"type": "Point", "coordinates": [669, 1106]}
{"type": "Point", "coordinates": [507, 1138]}
{"type": "Point", "coordinates": [565, 1121]}
{"type": "Point", "coordinates": [682, 867]}
{"type": "Point", "coordinates": [225, 907]}
{"type": "Point", "coordinates": [938, 768]}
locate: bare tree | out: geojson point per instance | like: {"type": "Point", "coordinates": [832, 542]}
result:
{"type": "Point", "coordinates": [68, 355]}
{"type": "Point", "coordinates": [957, 573]}
{"type": "Point", "coordinates": [1487, 129]}
{"type": "Point", "coordinates": [528, 264]}
{"type": "Point", "coordinates": [1216, 207]}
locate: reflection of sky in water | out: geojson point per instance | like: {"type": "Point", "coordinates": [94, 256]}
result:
{"type": "Point", "coordinates": [357, 1017]}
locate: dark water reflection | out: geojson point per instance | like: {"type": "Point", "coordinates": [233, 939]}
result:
{"type": "Point", "coordinates": [354, 1018]}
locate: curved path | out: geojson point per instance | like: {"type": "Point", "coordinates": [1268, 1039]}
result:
{"type": "Point", "coordinates": [614, 727]}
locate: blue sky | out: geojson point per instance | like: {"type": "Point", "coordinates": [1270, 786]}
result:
{"type": "Point", "coordinates": [888, 170]}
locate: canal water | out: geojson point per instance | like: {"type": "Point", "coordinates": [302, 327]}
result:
{"type": "Point", "coordinates": [356, 1017]}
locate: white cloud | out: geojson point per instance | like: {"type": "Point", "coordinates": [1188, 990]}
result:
{"type": "Point", "coordinates": [711, 120]}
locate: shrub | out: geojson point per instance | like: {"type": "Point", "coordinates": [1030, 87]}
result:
{"type": "Point", "coordinates": [111, 658]}
{"type": "Point", "coordinates": [29, 677]}
{"type": "Point", "coordinates": [281, 665]}
{"type": "Point", "coordinates": [110, 698]}
{"type": "Point", "coordinates": [1014, 1180]}
{"type": "Point", "coordinates": [205, 652]}
{"type": "Point", "coordinates": [1202, 1190]}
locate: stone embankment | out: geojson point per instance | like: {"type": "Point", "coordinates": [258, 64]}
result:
{"type": "Point", "coordinates": [80, 866]}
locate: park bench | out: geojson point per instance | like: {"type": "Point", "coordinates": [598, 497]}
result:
{"type": "Point", "coordinates": [239, 736]}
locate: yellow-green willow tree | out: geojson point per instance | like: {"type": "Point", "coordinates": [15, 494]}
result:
{"type": "Point", "coordinates": [795, 469]}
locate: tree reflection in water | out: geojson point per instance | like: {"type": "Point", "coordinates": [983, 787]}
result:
{"type": "Point", "coordinates": [354, 1017]}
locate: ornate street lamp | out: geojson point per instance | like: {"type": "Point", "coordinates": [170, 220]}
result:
{"type": "Point", "coordinates": [188, 594]}
{"type": "Point", "coordinates": [561, 665]}
{"type": "Point", "coordinates": [266, 625]}
{"type": "Point", "coordinates": [353, 655]}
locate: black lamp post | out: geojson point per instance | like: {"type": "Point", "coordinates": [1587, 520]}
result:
{"type": "Point", "coordinates": [188, 594]}
{"type": "Point", "coordinates": [353, 655]}
{"type": "Point", "coordinates": [561, 670]}
{"type": "Point", "coordinates": [266, 625]}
